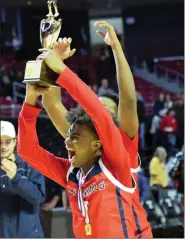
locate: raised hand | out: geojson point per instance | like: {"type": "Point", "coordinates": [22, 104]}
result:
{"type": "Point", "coordinates": [54, 58]}
{"type": "Point", "coordinates": [65, 54]}
{"type": "Point", "coordinates": [109, 37]}
{"type": "Point", "coordinates": [33, 92]}
{"type": "Point", "coordinates": [36, 90]}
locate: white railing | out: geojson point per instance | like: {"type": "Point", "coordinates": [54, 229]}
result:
{"type": "Point", "coordinates": [12, 111]}
{"type": "Point", "coordinates": [179, 78]}
{"type": "Point", "coordinates": [16, 93]}
{"type": "Point", "coordinates": [169, 58]}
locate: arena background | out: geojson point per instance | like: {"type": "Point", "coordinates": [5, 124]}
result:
{"type": "Point", "coordinates": [152, 34]}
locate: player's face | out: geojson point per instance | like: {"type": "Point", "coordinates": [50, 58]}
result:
{"type": "Point", "coordinates": [7, 146]}
{"type": "Point", "coordinates": [82, 145]}
{"type": "Point", "coordinates": [109, 104]}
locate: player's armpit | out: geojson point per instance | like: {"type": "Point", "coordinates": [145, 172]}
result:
{"type": "Point", "coordinates": [128, 118]}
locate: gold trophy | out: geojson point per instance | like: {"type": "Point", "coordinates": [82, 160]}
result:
{"type": "Point", "coordinates": [37, 72]}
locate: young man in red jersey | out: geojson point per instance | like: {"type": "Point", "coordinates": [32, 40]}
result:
{"type": "Point", "coordinates": [97, 174]}
{"type": "Point", "coordinates": [142, 226]}
{"type": "Point", "coordinates": [123, 106]}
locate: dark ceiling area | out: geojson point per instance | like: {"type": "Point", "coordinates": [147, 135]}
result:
{"type": "Point", "coordinates": [86, 4]}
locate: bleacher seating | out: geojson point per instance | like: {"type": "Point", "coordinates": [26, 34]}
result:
{"type": "Point", "coordinates": [9, 65]}
{"type": "Point", "coordinates": [7, 100]}
{"type": "Point", "coordinates": [155, 214]}
{"type": "Point", "coordinates": [176, 65]}
{"type": "Point", "coordinates": [174, 69]}
{"type": "Point", "coordinates": [171, 210]}
{"type": "Point", "coordinates": [149, 92]}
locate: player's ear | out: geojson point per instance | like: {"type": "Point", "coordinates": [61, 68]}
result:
{"type": "Point", "coordinates": [97, 144]}
{"type": "Point", "coordinates": [97, 147]}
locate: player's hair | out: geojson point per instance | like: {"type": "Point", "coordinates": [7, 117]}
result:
{"type": "Point", "coordinates": [77, 115]}
{"type": "Point", "coordinates": [110, 95]}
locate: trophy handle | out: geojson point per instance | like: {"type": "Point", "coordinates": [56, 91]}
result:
{"type": "Point", "coordinates": [56, 9]}
{"type": "Point", "coordinates": [50, 14]}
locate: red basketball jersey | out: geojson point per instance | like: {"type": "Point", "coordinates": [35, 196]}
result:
{"type": "Point", "coordinates": [105, 201]}
{"type": "Point", "coordinates": [142, 226]}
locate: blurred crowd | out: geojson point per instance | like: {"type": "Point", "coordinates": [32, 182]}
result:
{"type": "Point", "coordinates": [167, 125]}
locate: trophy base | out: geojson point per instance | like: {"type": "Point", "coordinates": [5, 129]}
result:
{"type": "Point", "coordinates": [38, 73]}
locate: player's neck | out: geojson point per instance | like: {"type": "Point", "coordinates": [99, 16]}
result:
{"type": "Point", "coordinates": [89, 165]}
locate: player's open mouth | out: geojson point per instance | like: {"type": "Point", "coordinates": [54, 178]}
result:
{"type": "Point", "coordinates": [71, 155]}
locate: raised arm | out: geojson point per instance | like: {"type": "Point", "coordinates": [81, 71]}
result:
{"type": "Point", "coordinates": [52, 100]}
{"type": "Point", "coordinates": [57, 112]}
{"type": "Point", "coordinates": [28, 146]}
{"type": "Point", "coordinates": [127, 110]}
{"type": "Point", "coordinates": [106, 129]}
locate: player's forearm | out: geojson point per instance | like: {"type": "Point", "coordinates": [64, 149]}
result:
{"type": "Point", "coordinates": [31, 100]}
{"type": "Point", "coordinates": [52, 97]}
{"type": "Point", "coordinates": [127, 110]}
{"type": "Point", "coordinates": [57, 114]}
{"type": "Point", "coordinates": [124, 76]}
{"type": "Point", "coordinates": [52, 103]}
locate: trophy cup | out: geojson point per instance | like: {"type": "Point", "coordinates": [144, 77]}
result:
{"type": "Point", "coordinates": [37, 72]}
